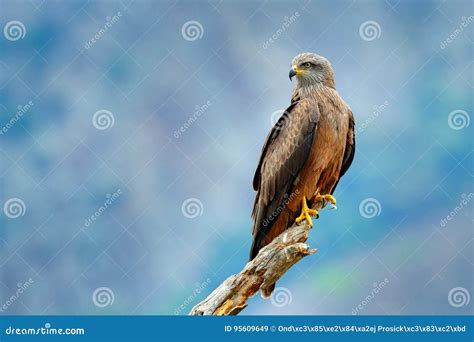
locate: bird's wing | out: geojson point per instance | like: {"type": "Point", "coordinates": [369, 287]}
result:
{"type": "Point", "coordinates": [284, 153]}
{"type": "Point", "coordinates": [349, 151]}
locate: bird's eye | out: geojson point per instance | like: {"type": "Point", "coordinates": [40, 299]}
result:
{"type": "Point", "coordinates": [307, 65]}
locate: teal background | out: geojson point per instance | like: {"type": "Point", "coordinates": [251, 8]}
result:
{"type": "Point", "coordinates": [154, 259]}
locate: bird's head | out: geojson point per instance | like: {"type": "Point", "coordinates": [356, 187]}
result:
{"type": "Point", "coordinates": [311, 69]}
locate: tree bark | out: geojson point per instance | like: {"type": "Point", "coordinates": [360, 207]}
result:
{"type": "Point", "coordinates": [230, 297]}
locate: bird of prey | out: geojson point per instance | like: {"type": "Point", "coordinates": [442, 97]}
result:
{"type": "Point", "coordinates": [305, 154]}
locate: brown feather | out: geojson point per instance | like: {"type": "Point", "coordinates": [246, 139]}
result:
{"type": "Point", "coordinates": [304, 155]}
{"type": "Point", "coordinates": [283, 156]}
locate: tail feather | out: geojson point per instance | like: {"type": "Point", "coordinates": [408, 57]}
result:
{"type": "Point", "coordinates": [257, 244]}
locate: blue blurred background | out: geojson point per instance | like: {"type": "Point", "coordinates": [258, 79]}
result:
{"type": "Point", "coordinates": [131, 131]}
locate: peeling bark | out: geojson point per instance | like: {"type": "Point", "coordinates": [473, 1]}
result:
{"type": "Point", "coordinates": [231, 296]}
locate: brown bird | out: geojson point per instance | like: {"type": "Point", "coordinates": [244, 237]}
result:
{"type": "Point", "coordinates": [305, 154]}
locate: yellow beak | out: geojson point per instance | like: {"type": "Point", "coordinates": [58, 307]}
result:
{"type": "Point", "coordinates": [294, 71]}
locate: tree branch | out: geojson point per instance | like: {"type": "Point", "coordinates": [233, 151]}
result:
{"type": "Point", "coordinates": [230, 297]}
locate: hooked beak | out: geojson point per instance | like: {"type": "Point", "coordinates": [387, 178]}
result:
{"type": "Point", "coordinates": [293, 72]}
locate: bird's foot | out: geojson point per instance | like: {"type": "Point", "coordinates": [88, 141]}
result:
{"type": "Point", "coordinates": [306, 213]}
{"type": "Point", "coordinates": [328, 198]}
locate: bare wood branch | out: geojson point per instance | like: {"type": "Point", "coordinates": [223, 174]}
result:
{"type": "Point", "coordinates": [231, 296]}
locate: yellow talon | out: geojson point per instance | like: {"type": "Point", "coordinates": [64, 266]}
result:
{"type": "Point", "coordinates": [328, 198]}
{"type": "Point", "coordinates": [306, 213]}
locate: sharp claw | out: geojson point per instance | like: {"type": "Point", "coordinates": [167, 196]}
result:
{"type": "Point", "coordinates": [325, 199]}
{"type": "Point", "coordinates": [330, 198]}
{"type": "Point", "coordinates": [306, 213]}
